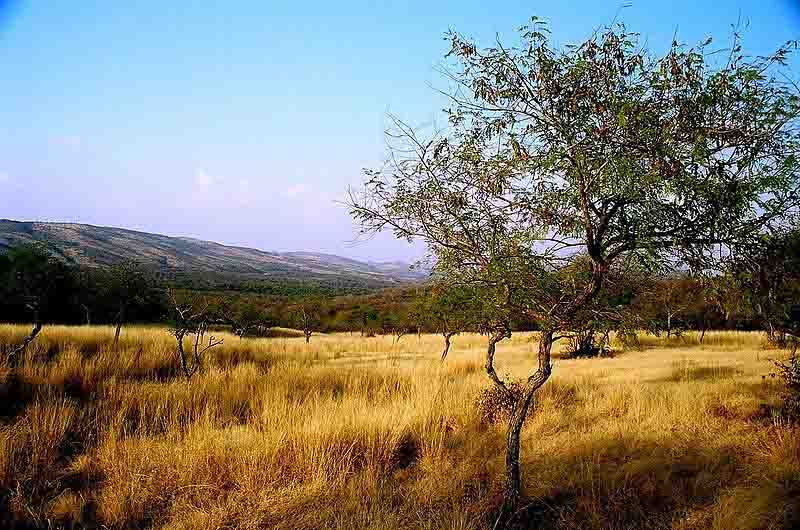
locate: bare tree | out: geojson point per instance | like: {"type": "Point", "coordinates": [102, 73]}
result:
{"type": "Point", "coordinates": [192, 320]}
{"type": "Point", "coordinates": [306, 318]}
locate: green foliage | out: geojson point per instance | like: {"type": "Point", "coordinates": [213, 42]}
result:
{"type": "Point", "coordinates": [769, 279]}
{"type": "Point", "coordinates": [600, 150]}
{"type": "Point", "coordinates": [789, 373]}
{"type": "Point", "coordinates": [127, 288]}
{"type": "Point", "coordinates": [33, 284]}
{"type": "Point", "coordinates": [449, 309]}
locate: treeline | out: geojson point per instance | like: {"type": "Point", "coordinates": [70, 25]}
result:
{"type": "Point", "coordinates": [36, 286]}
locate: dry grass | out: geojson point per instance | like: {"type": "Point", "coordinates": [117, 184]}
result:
{"type": "Point", "coordinates": [355, 433]}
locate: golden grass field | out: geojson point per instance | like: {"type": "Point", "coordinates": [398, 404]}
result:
{"type": "Point", "coordinates": [355, 433]}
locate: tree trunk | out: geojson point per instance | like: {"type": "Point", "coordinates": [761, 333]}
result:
{"type": "Point", "coordinates": [120, 318]}
{"type": "Point", "coordinates": [17, 353]}
{"type": "Point", "coordinates": [116, 334]}
{"type": "Point", "coordinates": [513, 483]}
{"type": "Point", "coordinates": [447, 337]}
{"type": "Point", "coordinates": [669, 325]}
{"type": "Point", "coordinates": [182, 356]}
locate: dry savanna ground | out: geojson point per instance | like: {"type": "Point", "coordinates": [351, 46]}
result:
{"type": "Point", "coordinates": [356, 433]}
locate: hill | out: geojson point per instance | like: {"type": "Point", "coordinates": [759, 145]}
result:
{"type": "Point", "coordinates": [203, 264]}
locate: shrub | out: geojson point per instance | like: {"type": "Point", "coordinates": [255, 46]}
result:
{"type": "Point", "coordinates": [495, 405]}
{"type": "Point", "coordinates": [789, 373]}
{"type": "Point", "coordinates": [584, 344]}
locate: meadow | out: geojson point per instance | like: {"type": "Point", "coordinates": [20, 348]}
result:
{"type": "Point", "coordinates": [362, 433]}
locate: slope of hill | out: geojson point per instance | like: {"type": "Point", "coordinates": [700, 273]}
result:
{"type": "Point", "coordinates": [97, 246]}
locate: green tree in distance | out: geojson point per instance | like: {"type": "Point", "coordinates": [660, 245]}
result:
{"type": "Point", "coordinates": [126, 285]}
{"type": "Point", "coordinates": [769, 279]}
{"type": "Point", "coordinates": [599, 149]}
{"type": "Point", "coordinates": [449, 310]}
{"type": "Point", "coordinates": [33, 280]}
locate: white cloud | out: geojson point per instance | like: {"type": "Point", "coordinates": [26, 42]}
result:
{"type": "Point", "coordinates": [295, 190]}
{"type": "Point", "coordinates": [203, 181]}
{"type": "Point", "coordinates": [209, 187]}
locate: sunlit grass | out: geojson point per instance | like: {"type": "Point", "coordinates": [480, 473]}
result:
{"type": "Point", "coordinates": [352, 432]}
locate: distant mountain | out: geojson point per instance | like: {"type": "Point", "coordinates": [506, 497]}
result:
{"type": "Point", "coordinates": [98, 246]}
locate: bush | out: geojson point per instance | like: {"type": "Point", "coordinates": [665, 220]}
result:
{"type": "Point", "coordinates": [494, 405]}
{"type": "Point", "coordinates": [584, 344]}
{"type": "Point", "coordinates": [789, 373]}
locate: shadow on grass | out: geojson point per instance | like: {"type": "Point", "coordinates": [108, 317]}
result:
{"type": "Point", "coordinates": [629, 483]}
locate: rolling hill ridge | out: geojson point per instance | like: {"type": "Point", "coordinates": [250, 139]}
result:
{"type": "Point", "coordinates": [98, 246]}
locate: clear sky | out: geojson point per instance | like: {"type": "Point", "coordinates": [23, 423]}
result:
{"type": "Point", "coordinates": [244, 121]}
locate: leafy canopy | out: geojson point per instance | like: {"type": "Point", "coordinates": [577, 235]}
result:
{"type": "Point", "coordinates": [598, 149]}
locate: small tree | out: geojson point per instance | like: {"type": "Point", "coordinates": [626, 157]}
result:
{"type": "Point", "coordinates": [126, 286]}
{"type": "Point", "coordinates": [192, 318]}
{"type": "Point", "coordinates": [307, 315]}
{"type": "Point", "coordinates": [599, 149]}
{"type": "Point", "coordinates": [671, 296]}
{"type": "Point", "coordinates": [449, 310]}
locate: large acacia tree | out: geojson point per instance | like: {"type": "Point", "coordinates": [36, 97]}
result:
{"type": "Point", "coordinates": [600, 149]}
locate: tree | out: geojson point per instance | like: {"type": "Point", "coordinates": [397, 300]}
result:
{"type": "Point", "coordinates": [770, 281]}
{"type": "Point", "coordinates": [247, 318]}
{"type": "Point", "coordinates": [671, 297]}
{"type": "Point", "coordinates": [32, 281]}
{"type": "Point", "coordinates": [307, 313]}
{"type": "Point", "coordinates": [192, 318]}
{"type": "Point", "coordinates": [449, 310]}
{"type": "Point", "coordinates": [599, 149]}
{"type": "Point", "coordinates": [126, 285]}
{"type": "Point", "coordinates": [367, 315]}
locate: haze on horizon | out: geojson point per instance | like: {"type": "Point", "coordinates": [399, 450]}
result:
{"type": "Point", "coordinates": [245, 125]}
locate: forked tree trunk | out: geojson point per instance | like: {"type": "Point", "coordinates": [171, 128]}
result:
{"type": "Point", "coordinates": [513, 483]}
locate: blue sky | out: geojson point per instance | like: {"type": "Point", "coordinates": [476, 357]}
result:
{"type": "Point", "coordinates": [245, 123]}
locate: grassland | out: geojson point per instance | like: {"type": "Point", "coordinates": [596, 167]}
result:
{"type": "Point", "coordinates": [356, 433]}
